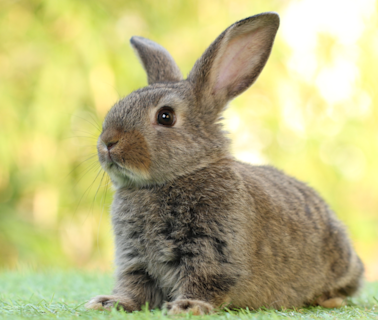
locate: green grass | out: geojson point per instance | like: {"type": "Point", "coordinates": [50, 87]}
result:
{"type": "Point", "coordinates": [62, 294]}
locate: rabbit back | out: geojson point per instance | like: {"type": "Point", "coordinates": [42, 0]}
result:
{"type": "Point", "coordinates": [298, 248]}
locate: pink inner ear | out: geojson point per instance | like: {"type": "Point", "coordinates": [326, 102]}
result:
{"type": "Point", "coordinates": [241, 58]}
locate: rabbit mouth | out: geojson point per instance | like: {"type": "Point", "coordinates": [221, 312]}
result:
{"type": "Point", "coordinates": [116, 168]}
{"type": "Point", "coordinates": [123, 177]}
{"type": "Point", "coordinates": [121, 172]}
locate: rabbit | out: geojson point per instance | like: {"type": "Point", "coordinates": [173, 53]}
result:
{"type": "Point", "coordinates": [195, 229]}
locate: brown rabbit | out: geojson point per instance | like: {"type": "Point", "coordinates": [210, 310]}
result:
{"type": "Point", "coordinates": [196, 229]}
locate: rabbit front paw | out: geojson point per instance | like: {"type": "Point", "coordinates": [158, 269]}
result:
{"type": "Point", "coordinates": [333, 303]}
{"type": "Point", "coordinates": [195, 307]}
{"type": "Point", "coordinates": [109, 302]}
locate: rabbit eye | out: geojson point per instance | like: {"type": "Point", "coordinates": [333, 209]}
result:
{"type": "Point", "coordinates": [166, 117]}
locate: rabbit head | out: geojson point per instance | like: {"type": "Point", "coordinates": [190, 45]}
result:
{"type": "Point", "coordinates": [171, 127]}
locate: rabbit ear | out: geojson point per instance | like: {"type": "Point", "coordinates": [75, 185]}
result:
{"type": "Point", "coordinates": [233, 61]}
{"type": "Point", "coordinates": [158, 63]}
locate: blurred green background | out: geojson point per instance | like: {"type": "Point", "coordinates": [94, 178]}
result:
{"type": "Point", "coordinates": [63, 64]}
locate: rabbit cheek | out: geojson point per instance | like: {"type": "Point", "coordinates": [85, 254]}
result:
{"type": "Point", "coordinates": [132, 152]}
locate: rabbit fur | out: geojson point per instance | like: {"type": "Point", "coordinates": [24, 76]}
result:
{"type": "Point", "coordinates": [195, 229]}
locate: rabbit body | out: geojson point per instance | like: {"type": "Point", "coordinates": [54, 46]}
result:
{"type": "Point", "coordinates": [196, 229]}
{"type": "Point", "coordinates": [249, 236]}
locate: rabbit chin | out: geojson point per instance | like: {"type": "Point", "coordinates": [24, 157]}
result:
{"type": "Point", "coordinates": [125, 178]}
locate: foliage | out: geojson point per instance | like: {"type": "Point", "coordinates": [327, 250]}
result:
{"type": "Point", "coordinates": [64, 63]}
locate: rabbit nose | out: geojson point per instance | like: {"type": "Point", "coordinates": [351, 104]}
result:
{"type": "Point", "coordinates": [110, 137]}
{"type": "Point", "coordinates": [110, 145]}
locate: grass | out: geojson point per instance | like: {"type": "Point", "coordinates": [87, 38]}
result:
{"type": "Point", "coordinates": [62, 294]}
